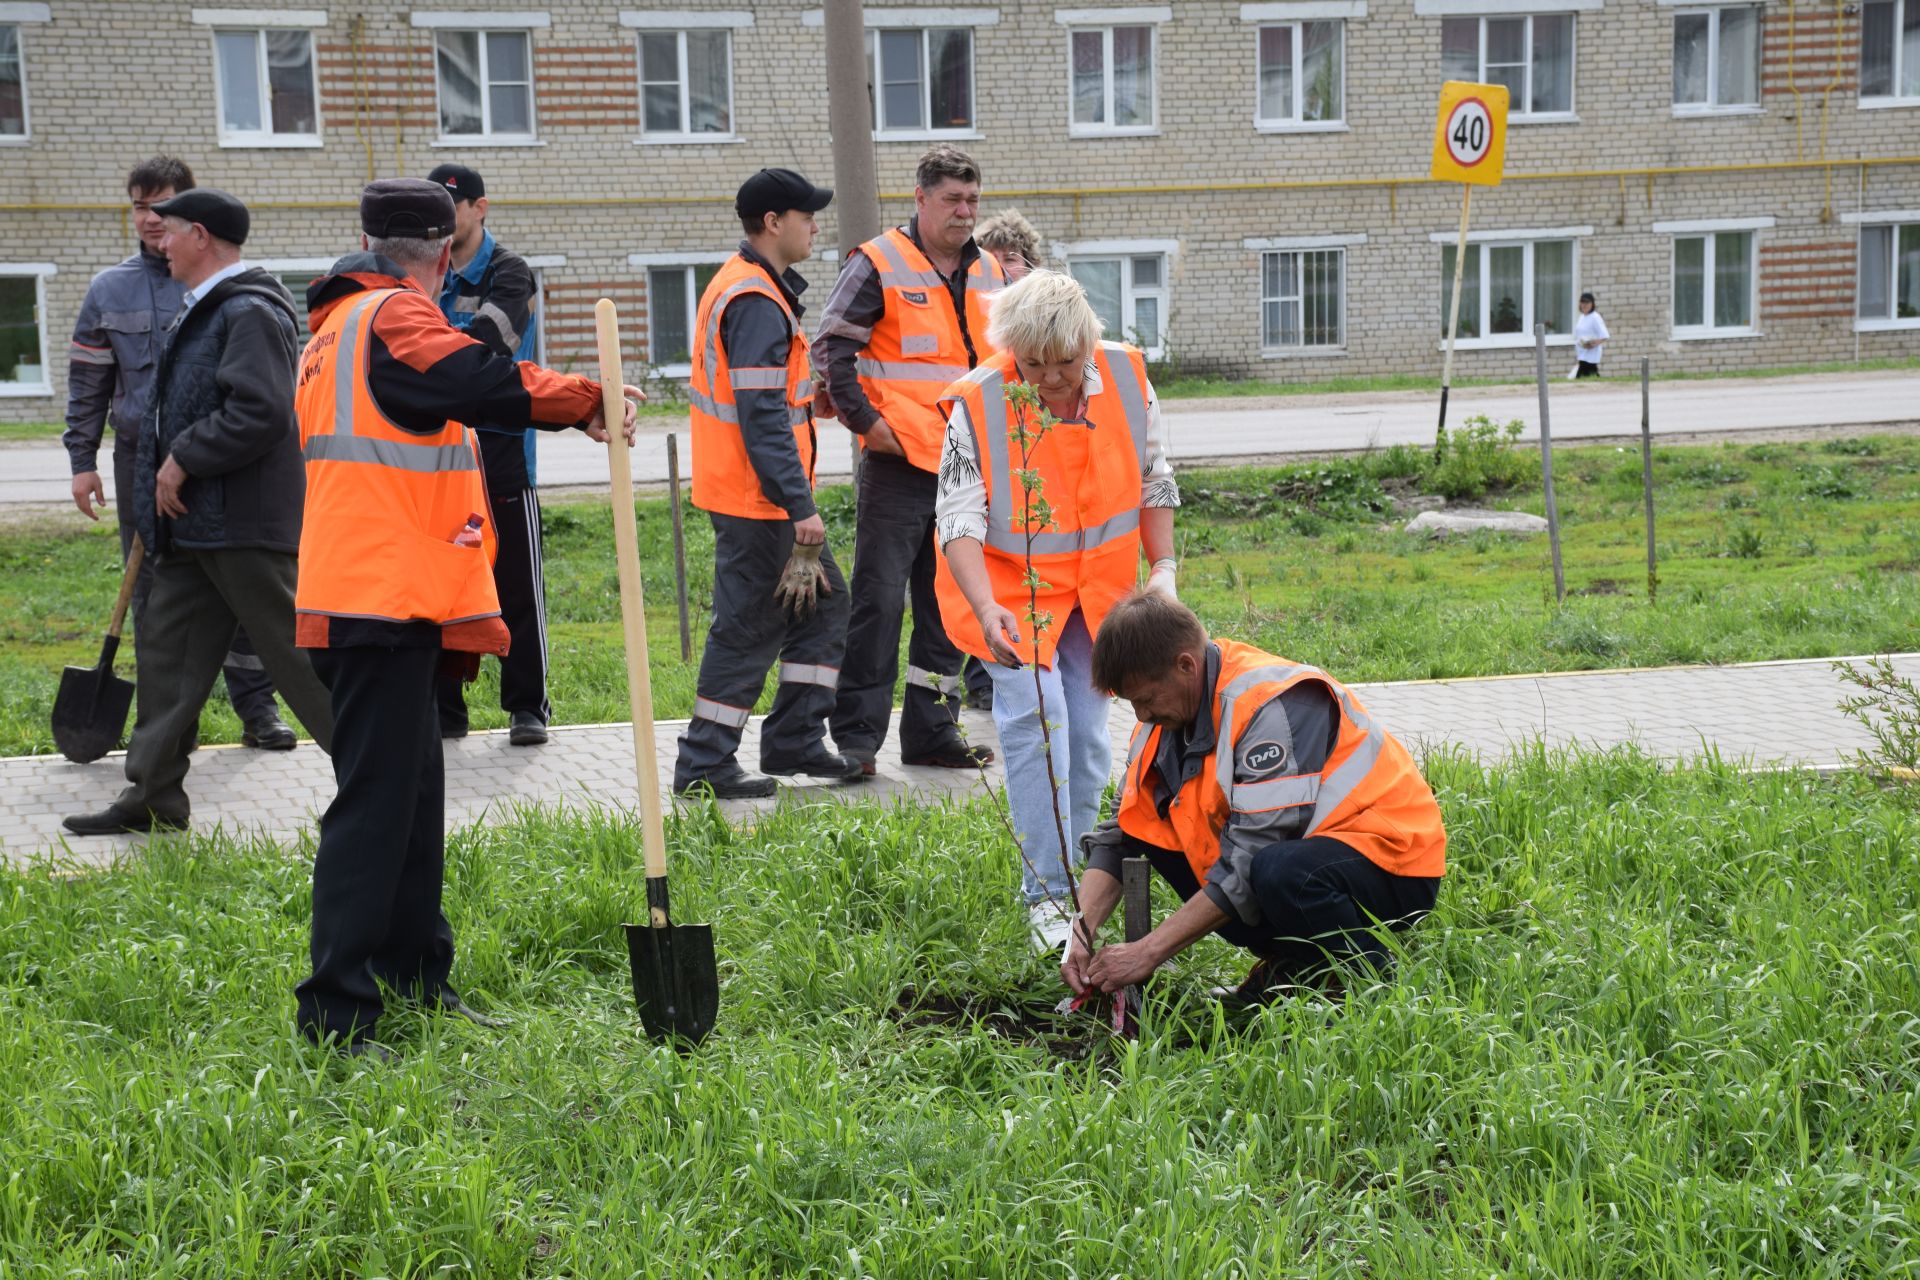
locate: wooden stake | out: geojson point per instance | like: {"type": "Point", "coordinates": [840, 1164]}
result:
{"type": "Point", "coordinates": [1546, 463]}
{"type": "Point", "coordinates": [1646, 477]}
{"type": "Point", "coordinates": [679, 546]}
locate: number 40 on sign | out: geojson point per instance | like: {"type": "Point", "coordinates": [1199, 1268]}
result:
{"type": "Point", "coordinates": [1470, 137]}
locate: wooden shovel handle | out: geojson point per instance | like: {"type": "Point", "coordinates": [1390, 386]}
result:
{"type": "Point", "coordinates": [633, 617]}
{"type": "Point", "coordinates": [127, 578]}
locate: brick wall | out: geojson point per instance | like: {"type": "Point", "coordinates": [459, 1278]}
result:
{"type": "Point", "coordinates": [593, 194]}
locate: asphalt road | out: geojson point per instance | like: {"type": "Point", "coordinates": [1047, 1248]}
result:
{"type": "Point", "coordinates": [1222, 430]}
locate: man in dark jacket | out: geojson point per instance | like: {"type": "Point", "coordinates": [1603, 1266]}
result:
{"type": "Point", "coordinates": [110, 367]}
{"type": "Point", "coordinates": [489, 295]}
{"type": "Point", "coordinates": [217, 493]}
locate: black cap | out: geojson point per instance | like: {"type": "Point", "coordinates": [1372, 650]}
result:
{"type": "Point", "coordinates": [776, 191]}
{"type": "Point", "coordinates": [224, 217]}
{"type": "Point", "coordinates": [461, 182]}
{"type": "Point", "coordinates": [411, 207]}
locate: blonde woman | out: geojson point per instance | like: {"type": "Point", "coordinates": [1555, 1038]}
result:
{"type": "Point", "coordinates": [1105, 477]}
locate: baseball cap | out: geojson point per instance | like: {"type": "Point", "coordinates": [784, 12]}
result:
{"type": "Point", "coordinates": [776, 191]}
{"type": "Point", "coordinates": [461, 182]}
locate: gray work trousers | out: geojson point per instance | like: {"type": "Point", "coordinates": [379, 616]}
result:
{"type": "Point", "coordinates": [248, 688]}
{"type": "Point", "coordinates": [199, 598]}
{"type": "Point", "coordinates": [750, 631]}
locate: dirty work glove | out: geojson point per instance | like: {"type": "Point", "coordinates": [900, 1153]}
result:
{"type": "Point", "coordinates": [1161, 579]}
{"type": "Point", "coordinates": [804, 578]}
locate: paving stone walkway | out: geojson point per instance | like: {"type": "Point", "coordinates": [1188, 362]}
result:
{"type": "Point", "coordinates": [1768, 713]}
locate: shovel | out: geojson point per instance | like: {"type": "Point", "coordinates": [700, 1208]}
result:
{"type": "Point", "coordinates": [90, 709]}
{"type": "Point", "coordinates": [676, 983]}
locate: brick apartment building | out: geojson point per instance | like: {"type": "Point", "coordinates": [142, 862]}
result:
{"type": "Point", "coordinates": [1241, 186]}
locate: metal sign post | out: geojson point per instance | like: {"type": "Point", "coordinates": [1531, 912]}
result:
{"type": "Point", "coordinates": [1469, 147]}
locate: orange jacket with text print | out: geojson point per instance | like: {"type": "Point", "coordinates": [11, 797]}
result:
{"type": "Point", "coordinates": [1368, 794]}
{"type": "Point", "coordinates": [385, 388]}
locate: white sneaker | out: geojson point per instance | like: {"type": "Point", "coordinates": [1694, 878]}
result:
{"type": "Point", "coordinates": [1048, 926]}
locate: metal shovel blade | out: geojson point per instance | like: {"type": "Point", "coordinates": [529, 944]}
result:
{"type": "Point", "coordinates": [90, 708]}
{"type": "Point", "coordinates": [676, 982]}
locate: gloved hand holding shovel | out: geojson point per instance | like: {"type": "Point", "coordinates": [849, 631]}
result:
{"type": "Point", "coordinates": [804, 578]}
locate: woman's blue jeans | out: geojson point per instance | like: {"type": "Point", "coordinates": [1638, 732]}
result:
{"type": "Point", "coordinates": [1082, 757]}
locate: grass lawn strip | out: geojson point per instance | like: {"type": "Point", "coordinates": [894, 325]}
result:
{"type": "Point", "coordinates": [1767, 551]}
{"type": "Point", "coordinates": [1661, 1024]}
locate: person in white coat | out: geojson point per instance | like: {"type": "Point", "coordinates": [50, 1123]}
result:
{"type": "Point", "coordinates": [1589, 339]}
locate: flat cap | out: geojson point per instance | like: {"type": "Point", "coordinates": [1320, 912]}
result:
{"type": "Point", "coordinates": [224, 217]}
{"type": "Point", "coordinates": [410, 207]}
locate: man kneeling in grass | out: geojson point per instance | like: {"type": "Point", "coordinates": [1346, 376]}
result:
{"type": "Point", "coordinates": [1291, 823]}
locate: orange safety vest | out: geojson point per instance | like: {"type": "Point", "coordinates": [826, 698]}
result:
{"type": "Point", "coordinates": [383, 504]}
{"type": "Point", "coordinates": [917, 350]}
{"type": "Point", "coordinates": [1370, 796]}
{"type": "Point", "coordinates": [1088, 557]}
{"type": "Point", "coordinates": [724, 480]}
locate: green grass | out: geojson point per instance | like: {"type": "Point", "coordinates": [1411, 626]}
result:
{"type": "Point", "coordinates": [1661, 1024]}
{"type": "Point", "coordinates": [31, 430]}
{"type": "Point", "coordinates": [1766, 551]}
{"type": "Point", "coordinates": [1206, 386]}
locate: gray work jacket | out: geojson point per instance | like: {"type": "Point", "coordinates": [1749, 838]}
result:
{"type": "Point", "coordinates": [115, 354]}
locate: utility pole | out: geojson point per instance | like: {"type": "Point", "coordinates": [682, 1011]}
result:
{"type": "Point", "coordinates": [856, 194]}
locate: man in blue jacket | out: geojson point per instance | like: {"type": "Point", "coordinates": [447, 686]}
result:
{"type": "Point", "coordinates": [110, 371]}
{"type": "Point", "coordinates": [490, 294]}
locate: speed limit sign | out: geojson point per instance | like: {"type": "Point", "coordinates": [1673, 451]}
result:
{"type": "Point", "coordinates": [1470, 138]}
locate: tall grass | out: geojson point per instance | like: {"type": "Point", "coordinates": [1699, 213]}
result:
{"type": "Point", "coordinates": [1662, 1024]}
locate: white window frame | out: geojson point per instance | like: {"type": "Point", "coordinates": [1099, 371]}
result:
{"type": "Point", "coordinates": [18, 16]}
{"type": "Point", "coordinates": [651, 262]}
{"type": "Point", "coordinates": [41, 273]}
{"type": "Point", "coordinates": [1881, 102]}
{"type": "Point", "coordinates": [263, 138]}
{"type": "Point", "coordinates": [1124, 251]}
{"type": "Point", "coordinates": [1294, 123]}
{"type": "Point", "coordinates": [1516, 113]}
{"type": "Point", "coordinates": [925, 133]}
{"type": "Point", "coordinates": [1479, 243]}
{"type": "Point", "coordinates": [1300, 245]}
{"type": "Point", "coordinates": [1104, 21]}
{"type": "Point", "coordinates": [1895, 220]}
{"type": "Point", "coordinates": [486, 23]}
{"type": "Point", "coordinates": [1710, 229]}
{"type": "Point", "coordinates": [1711, 12]}
{"type": "Point", "coordinates": [684, 136]}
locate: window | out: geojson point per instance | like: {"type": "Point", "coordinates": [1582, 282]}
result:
{"type": "Point", "coordinates": [1301, 303]}
{"type": "Point", "coordinates": [1507, 288]}
{"type": "Point", "coordinates": [1890, 52]}
{"type": "Point", "coordinates": [1128, 291]}
{"type": "Point", "coordinates": [686, 84]}
{"type": "Point", "coordinates": [1112, 80]}
{"type": "Point", "coordinates": [23, 336]}
{"type": "Point", "coordinates": [1531, 54]}
{"type": "Point", "coordinates": [921, 81]}
{"type": "Point", "coordinates": [1713, 279]}
{"type": "Point", "coordinates": [486, 84]}
{"type": "Point", "coordinates": [1716, 59]}
{"type": "Point", "coordinates": [266, 87]}
{"type": "Point", "coordinates": [673, 295]}
{"type": "Point", "coordinates": [13, 86]}
{"type": "Point", "coordinates": [1301, 74]}
{"type": "Point", "coordinates": [1889, 291]}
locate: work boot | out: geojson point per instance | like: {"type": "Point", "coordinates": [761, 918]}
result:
{"type": "Point", "coordinates": [456, 1007]}
{"type": "Point", "coordinates": [736, 784]}
{"type": "Point", "coordinates": [268, 733]}
{"type": "Point", "coordinates": [952, 754]}
{"type": "Point", "coordinates": [528, 730]}
{"type": "Point", "coordinates": [1270, 980]}
{"type": "Point", "coordinates": [372, 1051]}
{"type": "Point", "coordinates": [821, 763]}
{"type": "Point", "coordinates": [115, 821]}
